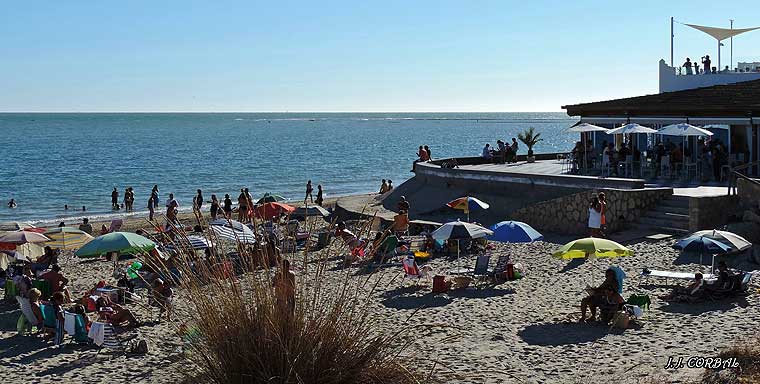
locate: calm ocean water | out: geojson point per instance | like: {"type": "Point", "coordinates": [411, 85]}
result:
{"type": "Point", "coordinates": [76, 159]}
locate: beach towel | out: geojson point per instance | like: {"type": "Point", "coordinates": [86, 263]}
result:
{"type": "Point", "coordinates": [69, 323]}
{"type": "Point", "coordinates": [97, 333]}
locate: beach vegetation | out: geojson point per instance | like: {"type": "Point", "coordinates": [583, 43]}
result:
{"type": "Point", "coordinates": [237, 327]}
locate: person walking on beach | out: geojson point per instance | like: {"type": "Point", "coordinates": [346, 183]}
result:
{"type": "Point", "coordinates": [227, 206]}
{"type": "Point", "coordinates": [242, 206]}
{"type": "Point", "coordinates": [171, 201]}
{"type": "Point", "coordinates": [309, 189]}
{"type": "Point", "coordinates": [594, 216]}
{"type": "Point", "coordinates": [214, 207]}
{"type": "Point", "coordinates": [198, 201]}
{"type": "Point", "coordinates": [383, 187]}
{"type": "Point", "coordinates": [319, 195]}
{"type": "Point", "coordinates": [603, 214]}
{"type": "Point", "coordinates": [115, 199]}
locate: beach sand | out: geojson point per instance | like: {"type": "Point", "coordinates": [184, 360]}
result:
{"type": "Point", "coordinates": [520, 331]}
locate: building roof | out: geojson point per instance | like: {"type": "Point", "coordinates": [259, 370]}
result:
{"type": "Point", "coordinates": [729, 100]}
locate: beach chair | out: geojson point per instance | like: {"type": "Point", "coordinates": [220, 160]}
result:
{"type": "Point", "coordinates": [115, 225]}
{"type": "Point", "coordinates": [74, 325]}
{"type": "Point", "coordinates": [481, 271]}
{"type": "Point", "coordinates": [387, 249]}
{"type": "Point", "coordinates": [51, 323]}
{"type": "Point", "coordinates": [501, 267]}
{"type": "Point", "coordinates": [26, 311]}
{"type": "Point", "coordinates": [412, 270]}
{"type": "Point", "coordinates": [667, 275]}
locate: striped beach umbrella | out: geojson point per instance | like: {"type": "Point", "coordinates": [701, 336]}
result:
{"type": "Point", "coordinates": [233, 230]}
{"type": "Point", "coordinates": [191, 242]}
{"type": "Point", "coordinates": [23, 237]}
{"type": "Point", "coordinates": [467, 204]}
{"type": "Point", "coordinates": [458, 230]}
{"type": "Point", "coordinates": [67, 238]}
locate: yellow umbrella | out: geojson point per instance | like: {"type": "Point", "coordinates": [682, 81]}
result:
{"type": "Point", "coordinates": [591, 246]}
{"type": "Point", "coordinates": [67, 238]}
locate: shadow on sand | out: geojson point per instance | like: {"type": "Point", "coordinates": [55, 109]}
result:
{"type": "Point", "coordinates": [574, 263]}
{"type": "Point", "coordinates": [398, 299]}
{"type": "Point", "coordinates": [705, 306]}
{"type": "Point", "coordinates": [556, 334]}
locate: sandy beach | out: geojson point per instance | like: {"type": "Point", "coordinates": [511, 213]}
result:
{"type": "Point", "coordinates": [522, 331]}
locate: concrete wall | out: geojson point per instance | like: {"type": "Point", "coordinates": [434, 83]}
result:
{"type": "Point", "coordinates": [670, 82]}
{"type": "Point", "coordinates": [711, 212]}
{"type": "Point", "coordinates": [569, 214]}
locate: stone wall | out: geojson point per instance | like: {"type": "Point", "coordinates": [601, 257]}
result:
{"type": "Point", "coordinates": [569, 214]}
{"type": "Point", "coordinates": [711, 212]}
{"type": "Point", "coordinates": [749, 193]}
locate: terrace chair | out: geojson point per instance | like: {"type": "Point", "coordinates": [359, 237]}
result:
{"type": "Point", "coordinates": [26, 311]}
{"type": "Point", "coordinates": [74, 325]}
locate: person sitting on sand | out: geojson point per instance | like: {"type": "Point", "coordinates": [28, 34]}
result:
{"type": "Point", "coordinates": [724, 276]}
{"type": "Point", "coordinates": [487, 152]}
{"type": "Point", "coordinates": [86, 226]}
{"type": "Point", "coordinates": [114, 313]}
{"type": "Point", "coordinates": [688, 292]}
{"type": "Point", "coordinates": [34, 303]}
{"type": "Point", "coordinates": [383, 187]}
{"type": "Point", "coordinates": [606, 293]}
{"type": "Point", "coordinates": [57, 281]}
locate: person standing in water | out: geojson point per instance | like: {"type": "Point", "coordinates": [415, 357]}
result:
{"type": "Point", "coordinates": [12, 203]}
{"type": "Point", "coordinates": [115, 199]}
{"type": "Point", "coordinates": [227, 206]}
{"type": "Point", "coordinates": [198, 201]}
{"type": "Point", "coordinates": [309, 189]}
{"type": "Point", "coordinates": [319, 195]}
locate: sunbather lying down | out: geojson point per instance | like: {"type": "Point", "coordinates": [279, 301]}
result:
{"type": "Point", "coordinates": [688, 293]}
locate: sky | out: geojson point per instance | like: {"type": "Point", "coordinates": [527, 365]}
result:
{"type": "Point", "coordinates": [352, 56]}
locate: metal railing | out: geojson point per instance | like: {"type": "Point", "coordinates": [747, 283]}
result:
{"type": "Point", "coordinates": [735, 175]}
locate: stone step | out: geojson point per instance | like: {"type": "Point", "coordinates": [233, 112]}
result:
{"type": "Point", "coordinates": [664, 223]}
{"type": "Point", "coordinates": [661, 229]}
{"type": "Point", "coordinates": [676, 210]}
{"type": "Point", "coordinates": [667, 215]}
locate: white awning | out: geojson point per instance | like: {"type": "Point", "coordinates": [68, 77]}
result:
{"type": "Point", "coordinates": [721, 33]}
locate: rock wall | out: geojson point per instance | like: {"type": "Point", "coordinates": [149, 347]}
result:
{"type": "Point", "coordinates": [711, 212]}
{"type": "Point", "coordinates": [569, 214]}
{"type": "Point", "coordinates": [749, 193]}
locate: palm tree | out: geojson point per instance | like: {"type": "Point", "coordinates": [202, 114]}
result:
{"type": "Point", "coordinates": [529, 138]}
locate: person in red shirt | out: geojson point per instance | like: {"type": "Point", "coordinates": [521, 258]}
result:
{"type": "Point", "coordinates": [57, 281]}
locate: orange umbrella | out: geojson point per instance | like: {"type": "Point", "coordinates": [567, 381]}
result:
{"type": "Point", "coordinates": [270, 210]}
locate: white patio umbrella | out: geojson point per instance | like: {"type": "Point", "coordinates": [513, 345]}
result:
{"type": "Point", "coordinates": [193, 242]}
{"type": "Point", "coordinates": [631, 128]}
{"type": "Point", "coordinates": [585, 128]}
{"type": "Point", "coordinates": [458, 230]}
{"type": "Point", "coordinates": [683, 129]}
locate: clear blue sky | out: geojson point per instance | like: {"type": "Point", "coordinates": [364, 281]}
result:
{"type": "Point", "coordinates": [346, 55]}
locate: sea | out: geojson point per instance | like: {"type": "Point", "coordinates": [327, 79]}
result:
{"type": "Point", "coordinates": [53, 160]}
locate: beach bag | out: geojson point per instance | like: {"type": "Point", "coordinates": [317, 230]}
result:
{"type": "Point", "coordinates": [621, 320]}
{"type": "Point", "coordinates": [641, 301]}
{"type": "Point", "coordinates": [439, 284]}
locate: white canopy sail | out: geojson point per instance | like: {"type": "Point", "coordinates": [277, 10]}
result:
{"type": "Point", "coordinates": [721, 33]}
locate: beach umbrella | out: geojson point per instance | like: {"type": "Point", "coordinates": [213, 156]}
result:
{"type": "Point", "coordinates": [233, 230]}
{"type": "Point", "coordinates": [458, 230]}
{"type": "Point", "coordinates": [683, 129]}
{"type": "Point", "coordinates": [736, 242]}
{"type": "Point", "coordinates": [121, 242]}
{"type": "Point", "coordinates": [67, 238]}
{"type": "Point", "coordinates": [8, 226]}
{"type": "Point", "coordinates": [312, 210]}
{"type": "Point", "coordinates": [591, 246]}
{"type": "Point", "coordinates": [270, 198]}
{"type": "Point", "coordinates": [514, 232]}
{"type": "Point", "coordinates": [23, 237]}
{"type": "Point", "coordinates": [702, 245]}
{"type": "Point", "coordinates": [467, 204]}
{"type": "Point", "coordinates": [270, 210]}
{"type": "Point", "coordinates": [191, 242]}
{"type": "Point", "coordinates": [631, 128]}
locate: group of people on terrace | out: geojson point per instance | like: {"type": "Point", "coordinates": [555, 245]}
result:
{"type": "Point", "coordinates": [502, 153]}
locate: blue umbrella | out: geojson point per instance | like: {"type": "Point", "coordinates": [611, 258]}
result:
{"type": "Point", "coordinates": [702, 244]}
{"type": "Point", "coordinates": [514, 232]}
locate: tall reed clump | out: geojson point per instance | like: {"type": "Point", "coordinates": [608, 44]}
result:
{"type": "Point", "coordinates": [747, 355]}
{"type": "Point", "coordinates": [243, 333]}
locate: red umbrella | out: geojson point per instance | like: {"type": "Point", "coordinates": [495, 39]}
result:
{"type": "Point", "coordinates": [270, 210]}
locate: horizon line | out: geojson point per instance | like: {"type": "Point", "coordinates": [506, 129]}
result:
{"type": "Point", "coordinates": [74, 112]}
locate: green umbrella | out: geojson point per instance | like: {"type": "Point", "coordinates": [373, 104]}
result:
{"type": "Point", "coordinates": [270, 198]}
{"type": "Point", "coordinates": [122, 242]}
